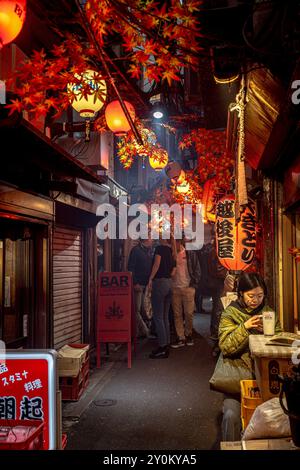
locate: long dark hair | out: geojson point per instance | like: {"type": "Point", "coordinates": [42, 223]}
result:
{"type": "Point", "coordinates": [249, 281]}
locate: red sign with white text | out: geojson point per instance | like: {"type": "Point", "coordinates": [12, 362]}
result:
{"type": "Point", "coordinates": [27, 392]}
{"type": "Point", "coordinates": [115, 304]}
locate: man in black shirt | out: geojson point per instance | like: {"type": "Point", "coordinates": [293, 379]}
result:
{"type": "Point", "coordinates": [140, 264]}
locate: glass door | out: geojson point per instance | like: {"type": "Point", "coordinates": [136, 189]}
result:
{"type": "Point", "coordinates": [16, 285]}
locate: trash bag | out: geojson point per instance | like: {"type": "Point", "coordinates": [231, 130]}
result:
{"type": "Point", "coordinates": [267, 421]}
{"type": "Point", "coordinates": [227, 375]}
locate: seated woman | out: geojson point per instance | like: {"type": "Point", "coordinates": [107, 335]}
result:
{"type": "Point", "coordinates": [240, 319]}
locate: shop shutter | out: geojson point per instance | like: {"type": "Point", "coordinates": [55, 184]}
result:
{"type": "Point", "coordinates": [67, 286]}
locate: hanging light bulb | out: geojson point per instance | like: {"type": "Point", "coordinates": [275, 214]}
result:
{"type": "Point", "coordinates": [12, 17]}
{"type": "Point", "coordinates": [116, 119]}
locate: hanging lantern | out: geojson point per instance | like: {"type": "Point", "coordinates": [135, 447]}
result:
{"type": "Point", "coordinates": [158, 159]}
{"type": "Point", "coordinates": [116, 119]}
{"type": "Point", "coordinates": [208, 201]}
{"type": "Point", "coordinates": [12, 17]}
{"type": "Point", "coordinates": [183, 187]}
{"type": "Point", "coordinates": [87, 105]}
{"type": "Point", "coordinates": [236, 242]}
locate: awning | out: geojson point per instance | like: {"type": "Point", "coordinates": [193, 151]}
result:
{"type": "Point", "coordinates": [26, 146]}
{"type": "Point", "coordinates": [95, 192]}
{"type": "Point", "coordinates": [265, 95]}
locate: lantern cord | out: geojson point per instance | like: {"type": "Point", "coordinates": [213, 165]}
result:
{"type": "Point", "coordinates": [101, 55]}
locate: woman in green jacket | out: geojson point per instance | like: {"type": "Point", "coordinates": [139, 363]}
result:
{"type": "Point", "coordinates": [240, 319]}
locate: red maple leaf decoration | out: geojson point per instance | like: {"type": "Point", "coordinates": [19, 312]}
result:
{"type": "Point", "coordinates": [161, 39]}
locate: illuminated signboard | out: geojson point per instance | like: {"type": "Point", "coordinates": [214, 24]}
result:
{"type": "Point", "coordinates": [236, 242]}
{"type": "Point", "coordinates": [28, 389]}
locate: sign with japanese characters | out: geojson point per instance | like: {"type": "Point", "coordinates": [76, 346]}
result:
{"type": "Point", "coordinates": [236, 241]}
{"type": "Point", "coordinates": [114, 313]}
{"type": "Point", "coordinates": [28, 389]}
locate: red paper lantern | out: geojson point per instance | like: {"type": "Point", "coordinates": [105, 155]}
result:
{"type": "Point", "coordinates": [236, 243]}
{"type": "Point", "coordinates": [208, 201]}
{"type": "Point", "coordinates": [12, 17]}
{"type": "Point", "coordinates": [116, 119]}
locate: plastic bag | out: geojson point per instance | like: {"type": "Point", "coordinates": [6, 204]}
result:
{"type": "Point", "coordinates": [227, 375]}
{"type": "Point", "coordinates": [268, 420]}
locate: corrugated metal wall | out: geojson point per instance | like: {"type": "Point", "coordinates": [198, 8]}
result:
{"type": "Point", "coordinates": [67, 286]}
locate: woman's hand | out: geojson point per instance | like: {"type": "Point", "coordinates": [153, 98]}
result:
{"type": "Point", "coordinates": [254, 322]}
{"type": "Point", "coordinates": [149, 285]}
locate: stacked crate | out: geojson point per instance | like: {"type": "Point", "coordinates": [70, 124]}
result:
{"type": "Point", "coordinates": [21, 434]}
{"type": "Point", "coordinates": [73, 370]}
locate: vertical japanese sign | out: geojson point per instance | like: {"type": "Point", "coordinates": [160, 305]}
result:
{"type": "Point", "coordinates": [115, 306]}
{"type": "Point", "coordinates": [236, 242]}
{"type": "Point", "coordinates": [28, 389]}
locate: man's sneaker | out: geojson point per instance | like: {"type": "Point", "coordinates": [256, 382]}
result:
{"type": "Point", "coordinates": [160, 353]}
{"type": "Point", "coordinates": [180, 343]}
{"type": "Point", "coordinates": [189, 341]}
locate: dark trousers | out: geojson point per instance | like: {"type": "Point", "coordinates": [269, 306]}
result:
{"type": "Point", "coordinates": [161, 301]}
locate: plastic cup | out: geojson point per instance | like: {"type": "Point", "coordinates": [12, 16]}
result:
{"type": "Point", "coordinates": [268, 323]}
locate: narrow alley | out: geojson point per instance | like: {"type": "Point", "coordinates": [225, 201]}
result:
{"type": "Point", "coordinates": [149, 229]}
{"type": "Point", "coordinates": [157, 404]}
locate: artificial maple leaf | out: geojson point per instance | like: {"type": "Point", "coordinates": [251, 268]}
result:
{"type": "Point", "coordinates": [58, 51]}
{"type": "Point", "coordinates": [189, 21]}
{"type": "Point", "coordinates": [15, 106]}
{"type": "Point", "coordinates": [170, 75]}
{"type": "Point", "coordinates": [193, 5]}
{"type": "Point", "coordinates": [130, 42]}
{"type": "Point", "coordinates": [162, 13]}
{"type": "Point", "coordinates": [39, 56]}
{"type": "Point", "coordinates": [168, 31]}
{"type": "Point", "coordinates": [175, 62]}
{"type": "Point", "coordinates": [40, 110]}
{"type": "Point", "coordinates": [28, 100]}
{"type": "Point", "coordinates": [154, 73]}
{"type": "Point", "coordinates": [135, 71]}
{"type": "Point", "coordinates": [176, 10]}
{"type": "Point", "coordinates": [141, 57]}
{"type": "Point", "coordinates": [52, 103]}
{"type": "Point", "coordinates": [150, 47]}
{"type": "Point", "coordinates": [150, 22]}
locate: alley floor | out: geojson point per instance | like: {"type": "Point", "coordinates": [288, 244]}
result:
{"type": "Point", "coordinates": [157, 404]}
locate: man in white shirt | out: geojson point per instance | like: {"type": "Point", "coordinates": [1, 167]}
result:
{"type": "Point", "coordinates": [185, 280]}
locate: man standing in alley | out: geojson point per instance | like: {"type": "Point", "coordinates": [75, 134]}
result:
{"type": "Point", "coordinates": [140, 264]}
{"type": "Point", "coordinates": [185, 281]}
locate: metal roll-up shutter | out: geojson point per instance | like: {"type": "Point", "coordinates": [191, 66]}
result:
{"type": "Point", "coordinates": [67, 286]}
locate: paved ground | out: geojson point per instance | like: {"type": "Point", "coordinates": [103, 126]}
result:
{"type": "Point", "coordinates": [157, 404]}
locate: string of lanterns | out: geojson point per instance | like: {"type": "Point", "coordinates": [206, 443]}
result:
{"type": "Point", "coordinates": [88, 92]}
{"type": "Point", "coordinates": [87, 96]}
